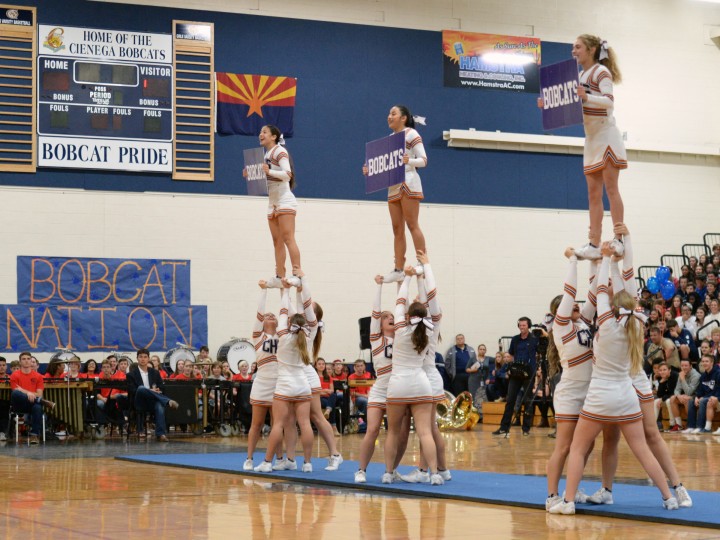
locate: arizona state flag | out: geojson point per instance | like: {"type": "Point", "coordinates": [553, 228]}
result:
{"type": "Point", "coordinates": [245, 103]}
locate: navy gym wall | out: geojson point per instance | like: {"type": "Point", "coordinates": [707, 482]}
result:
{"type": "Point", "coordinates": [348, 77]}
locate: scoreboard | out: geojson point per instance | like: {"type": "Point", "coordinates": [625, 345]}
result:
{"type": "Point", "coordinates": [104, 99]}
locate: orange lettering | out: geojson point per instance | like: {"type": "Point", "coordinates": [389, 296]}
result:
{"type": "Point", "coordinates": [48, 314]}
{"type": "Point", "coordinates": [157, 283]}
{"type": "Point", "coordinates": [185, 339]}
{"type": "Point", "coordinates": [130, 334]}
{"type": "Point", "coordinates": [102, 345]}
{"type": "Point", "coordinates": [69, 309]}
{"type": "Point", "coordinates": [32, 344]}
{"type": "Point", "coordinates": [115, 278]}
{"type": "Point", "coordinates": [59, 280]}
{"type": "Point", "coordinates": [33, 280]}
{"type": "Point", "coordinates": [90, 281]}
{"type": "Point", "coordinates": [174, 269]}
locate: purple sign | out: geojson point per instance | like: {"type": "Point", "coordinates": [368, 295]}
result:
{"type": "Point", "coordinates": [256, 177]}
{"type": "Point", "coordinates": [383, 159]}
{"type": "Point", "coordinates": [558, 86]}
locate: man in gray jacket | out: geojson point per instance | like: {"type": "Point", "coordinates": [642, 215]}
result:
{"type": "Point", "coordinates": [688, 381]}
{"type": "Point", "coordinates": [458, 359]}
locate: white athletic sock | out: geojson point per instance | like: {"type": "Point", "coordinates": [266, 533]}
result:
{"type": "Point", "coordinates": [708, 425]}
{"type": "Point", "coordinates": [678, 421]}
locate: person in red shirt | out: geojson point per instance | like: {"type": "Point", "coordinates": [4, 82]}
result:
{"type": "Point", "coordinates": [359, 394]}
{"type": "Point", "coordinates": [55, 370]}
{"type": "Point", "coordinates": [73, 371]}
{"type": "Point", "coordinates": [111, 400]}
{"type": "Point", "coordinates": [244, 374]}
{"type": "Point", "coordinates": [90, 370]}
{"type": "Point", "coordinates": [26, 396]}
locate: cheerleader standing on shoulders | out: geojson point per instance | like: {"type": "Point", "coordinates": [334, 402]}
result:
{"type": "Point", "coordinates": [569, 347]}
{"type": "Point", "coordinates": [643, 389]}
{"type": "Point", "coordinates": [428, 296]}
{"type": "Point", "coordinates": [409, 388]}
{"type": "Point", "coordinates": [292, 392]}
{"type": "Point", "coordinates": [611, 397]}
{"type": "Point", "coordinates": [265, 340]}
{"type": "Point", "coordinates": [282, 206]}
{"type": "Point", "coordinates": [404, 199]}
{"type": "Point", "coordinates": [324, 428]}
{"type": "Point", "coordinates": [604, 154]}
{"type": "Point", "coordinates": [382, 334]}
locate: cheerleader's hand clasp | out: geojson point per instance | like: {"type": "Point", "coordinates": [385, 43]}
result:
{"type": "Point", "coordinates": [379, 279]}
{"type": "Point", "coordinates": [540, 103]}
{"type": "Point", "coordinates": [582, 94]}
{"type": "Point", "coordinates": [607, 250]}
{"type": "Point", "coordinates": [266, 168]}
{"type": "Point", "coordinates": [365, 170]}
{"type": "Point", "coordinates": [409, 270]}
{"type": "Point", "coordinates": [422, 257]}
{"type": "Point", "coordinates": [262, 284]}
{"type": "Point", "coordinates": [245, 173]}
{"type": "Point", "coordinates": [569, 252]}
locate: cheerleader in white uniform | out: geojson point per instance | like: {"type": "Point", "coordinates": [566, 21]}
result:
{"type": "Point", "coordinates": [292, 391]}
{"type": "Point", "coordinates": [611, 397]}
{"type": "Point", "coordinates": [265, 341]}
{"type": "Point", "coordinates": [604, 154]}
{"type": "Point", "coordinates": [382, 333]}
{"type": "Point", "coordinates": [643, 390]}
{"type": "Point", "coordinates": [569, 346]}
{"type": "Point", "coordinates": [404, 199]}
{"type": "Point", "coordinates": [409, 387]}
{"type": "Point", "coordinates": [282, 206]}
{"type": "Point", "coordinates": [316, 412]}
{"type": "Point", "coordinates": [428, 296]}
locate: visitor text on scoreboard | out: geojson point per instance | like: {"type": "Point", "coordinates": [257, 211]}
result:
{"type": "Point", "coordinates": [104, 99]}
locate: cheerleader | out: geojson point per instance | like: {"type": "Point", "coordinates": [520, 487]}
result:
{"type": "Point", "coordinates": [404, 199]}
{"type": "Point", "coordinates": [382, 333]}
{"type": "Point", "coordinates": [644, 392]}
{"type": "Point", "coordinates": [409, 387]}
{"type": "Point", "coordinates": [317, 417]}
{"type": "Point", "coordinates": [430, 300]}
{"type": "Point", "coordinates": [265, 341]}
{"type": "Point", "coordinates": [569, 347]}
{"type": "Point", "coordinates": [282, 206]}
{"type": "Point", "coordinates": [293, 395]}
{"type": "Point", "coordinates": [611, 397]}
{"type": "Point", "coordinates": [604, 154]}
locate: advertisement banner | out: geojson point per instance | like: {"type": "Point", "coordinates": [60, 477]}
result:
{"type": "Point", "coordinates": [383, 158]}
{"type": "Point", "coordinates": [558, 87]}
{"type": "Point", "coordinates": [491, 61]}
{"type": "Point", "coordinates": [256, 177]}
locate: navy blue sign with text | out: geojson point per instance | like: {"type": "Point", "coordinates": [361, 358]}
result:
{"type": "Point", "coordinates": [558, 86]}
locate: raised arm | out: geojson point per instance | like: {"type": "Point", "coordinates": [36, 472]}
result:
{"type": "Point", "coordinates": [629, 281]}
{"type": "Point", "coordinates": [401, 302]}
{"type": "Point", "coordinates": [434, 304]}
{"type": "Point", "coordinates": [587, 312]}
{"type": "Point", "coordinates": [260, 315]}
{"type": "Point", "coordinates": [605, 314]}
{"type": "Point", "coordinates": [283, 319]}
{"type": "Point", "coordinates": [564, 311]}
{"type": "Point", "coordinates": [375, 326]}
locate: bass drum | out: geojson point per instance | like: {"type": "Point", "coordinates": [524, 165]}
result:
{"type": "Point", "coordinates": [63, 356]}
{"type": "Point", "coordinates": [178, 353]}
{"type": "Point", "coordinates": [235, 351]}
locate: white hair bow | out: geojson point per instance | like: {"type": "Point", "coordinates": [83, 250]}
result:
{"type": "Point", "coordinates": [639, 314]}
{"type": "Point", "coordinates": [281, 140]}
{"type": "Point", "coordinates": [604, 50]}
{"type": "Point", "coordinates": [295, 328]}
{"type": "Point", "coordinates": [321, 326]}
{"type": "Point", "coordinates": [420, 120]}
{"type": "Point", "coordinates": [427, 321]}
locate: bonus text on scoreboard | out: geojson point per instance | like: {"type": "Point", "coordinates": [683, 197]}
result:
{"type": "Point", "coordinates": [104, 99]}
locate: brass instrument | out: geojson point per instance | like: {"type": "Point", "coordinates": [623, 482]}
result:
{"type": "Point", "coordinates": [457, 412]}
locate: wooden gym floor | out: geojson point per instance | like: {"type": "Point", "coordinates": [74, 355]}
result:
{"type": "Point", "coordinates": [75, 489]}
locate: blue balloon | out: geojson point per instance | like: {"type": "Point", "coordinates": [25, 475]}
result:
{"type": "Point", "coordinates": [668, 290]}
{"type": "Point", "coordinates": [662, 273]}
{"type": "Point", "coordinates": [653, 285]}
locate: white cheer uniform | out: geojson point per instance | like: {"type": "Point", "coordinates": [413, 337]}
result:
{"type": "Point", "coordinates": [409, 383]}
{"type": "Point", "coordinates": [412, 187]}
{"type": "Point", "coordinates": [263, 386]}
{"type": "Point", "coordinates": [281, 200]}
{"type": "Point", "coordinates": [431, 302]}
{"type": "Point", "coordinates": [292, 384]}
{"type": "Point", "coordinates": [611, 397]}
{"type": "Point", "coordinates": [573, 341]}
{"type": "Point", "coordinates": [382, 351]}
{"type": "Point", "coordinates": [603, 141]}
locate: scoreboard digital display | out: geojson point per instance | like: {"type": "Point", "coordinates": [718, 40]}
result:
{"type": "Point", "coordinates": [105, 99]}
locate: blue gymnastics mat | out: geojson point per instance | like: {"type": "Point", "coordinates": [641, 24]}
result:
{"type": "Point", "coordinates": [642, 503]}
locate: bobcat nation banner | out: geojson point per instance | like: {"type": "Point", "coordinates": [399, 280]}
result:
{"type": "Point", "coordinates": [245, 103]}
